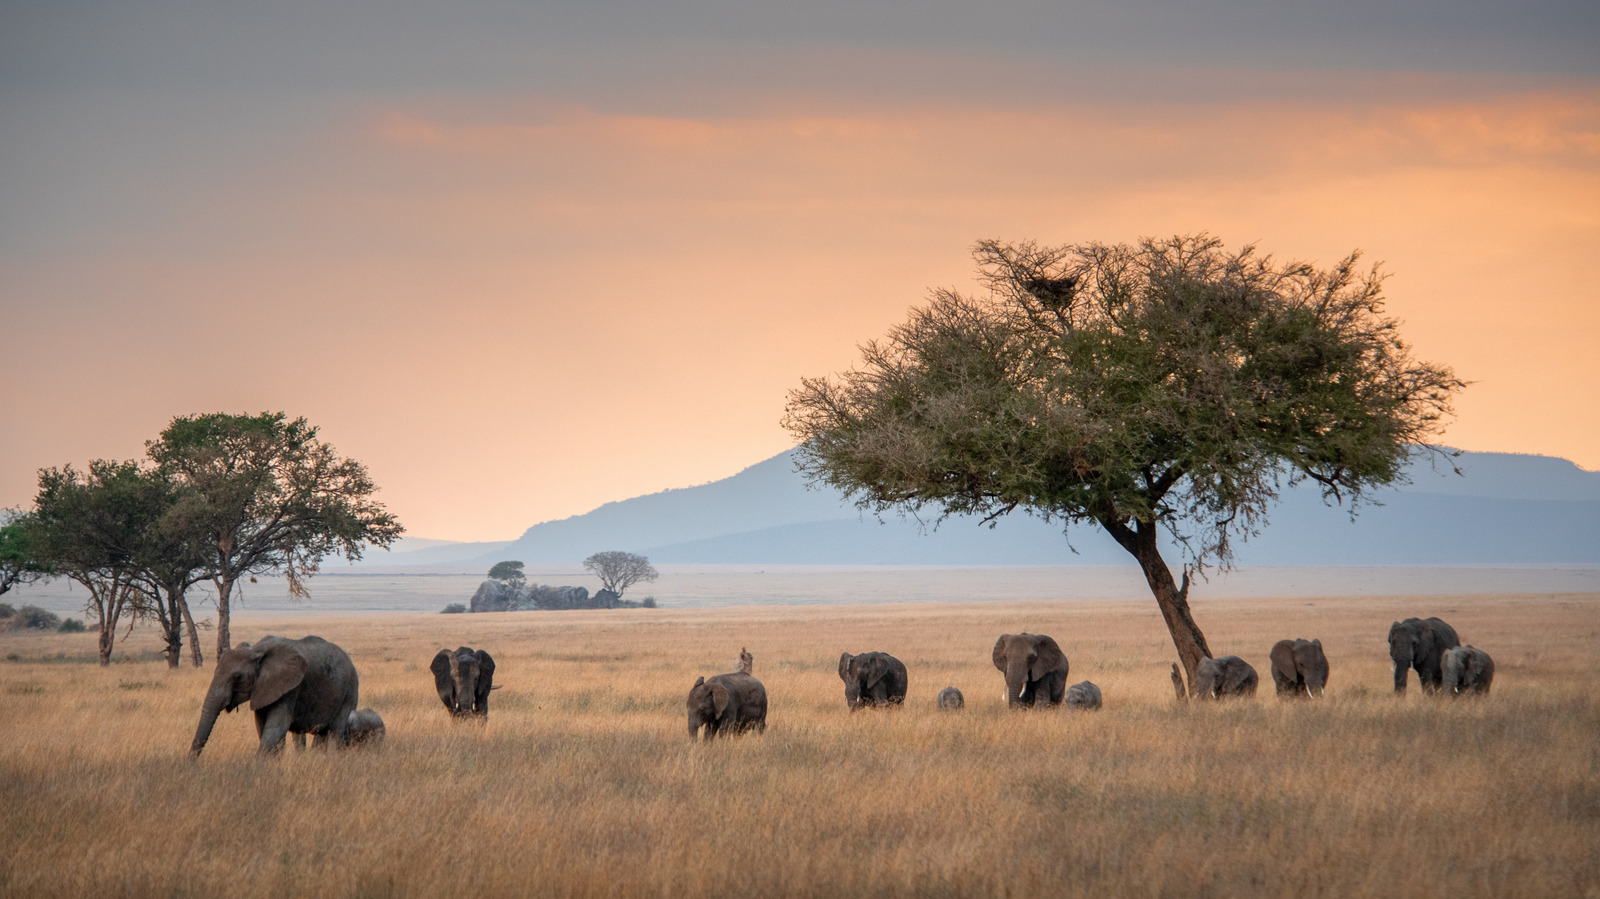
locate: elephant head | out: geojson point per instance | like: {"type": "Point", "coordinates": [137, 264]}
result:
{"type": "Point", "coordinates": [1034, 666]}
{"type": "Point", "coordinates": [1418, 643]}
{"type": "Point", "coordinates": [464, 678]}
{"type": "Point", "coordinates": [709, 706]}
{"type": "Point", "coordinates": [366, 728]}
{"type": "Point", "coordinates": [260, 675]}
{"type": "Point", "coordinates": [1299, 668]}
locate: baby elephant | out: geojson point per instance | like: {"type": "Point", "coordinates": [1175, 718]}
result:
{"type": "Point", "coordinates": [366, 728]}
{"type": "Point", "coordinates": [727, 704]}
{"type": "Point", "coordinates": [950, 700]}
{"type": "Point", "coordinates": [1223, 677]}
{"type": "Point", "coordinates": [872, 679]}
{"type": "Point", "coordinates": [1083, 695]}
{"type": "Point", "coordinates": [1299, 668]}
{"type": "Point", "coordinates": [464, 678]}
{"type": "Point", "coordinates": [1467, 669]}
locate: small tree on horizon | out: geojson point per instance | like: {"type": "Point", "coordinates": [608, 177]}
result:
{"type": "Point", "coordinates": [618, 571]}
{"type": "Point", "coordinates": [510, 574]}
{"type": "Point", "coordinates": [1169, 386]}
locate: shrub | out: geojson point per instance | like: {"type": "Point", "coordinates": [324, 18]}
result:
{"type": "Point", "coordinates": [35, 617]}
{"type": "Point", "coordinates": [6, 611]}
{"type": "Point", "coordinates": [649, 602]}
{"type": "Point", "coordinates": [454, 608]}
{"type": "Point", "coordinates": [71, 626]}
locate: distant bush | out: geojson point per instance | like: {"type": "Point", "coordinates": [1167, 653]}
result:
{"type": "Point", "coordinates": [6, 611]}
{"type": "Point", "coordinates": [649, 602]}
{"type": "Point", "coordinates": [71, 626]}
{"type": "Point", "coordinates": [455, 608]}
{"type": "Point", "coordinates": [37, 619]}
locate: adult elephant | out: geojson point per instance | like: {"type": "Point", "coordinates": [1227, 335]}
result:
{"type": "Point", "coordinates": [1419, 643]}
{"type": "Point", "coordinates": [1225, 677]}
{"type": "Point", "coordinates": [305, 686]}
{"type": "Point", "coordinates": [1035, 669]}
{"type": "Point", "coordinates": [727, 704]}
{"type": "Point", "coordinates": [464, 678]}
{"type": "Point", "coordinates": [1466, 669]}
{"type": "Point", "coordinates": [1299, 668]}
{"type": "Point", "coordinates": [872, 679]}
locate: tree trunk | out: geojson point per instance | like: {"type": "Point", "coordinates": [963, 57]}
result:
{"type": "Point", "coordinates": [171, 618]}
{"type": "Point", "coordinates": [194, 634]}
{"type": "Point", "coordinates": [1140, 541]}
{"type": "Point", "coordinates": [224, 589]}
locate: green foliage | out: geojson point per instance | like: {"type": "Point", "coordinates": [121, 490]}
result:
{"type": "Point", "coordinates": [1171, 383]}
{"type": "Point", "coordinates": [71, 626]}
{"type": "Point", "coordinates": [35, 618]}
{"type": "Point", "coordinates": [18, 562]}
{"type": "Point", "coordinates": [505, 571]}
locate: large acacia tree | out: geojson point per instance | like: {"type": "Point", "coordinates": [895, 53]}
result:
{"type": "Point", "coordinates": [261, 493]}
{"type": "Point", "coordinates": [1169, 386]}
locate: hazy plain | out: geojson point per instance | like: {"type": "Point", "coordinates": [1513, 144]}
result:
{"type": "Point", "coordinates": [583, 781]}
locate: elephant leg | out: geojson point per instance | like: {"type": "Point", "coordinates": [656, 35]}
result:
{"type": "Point", "coordinates": [274, 724]}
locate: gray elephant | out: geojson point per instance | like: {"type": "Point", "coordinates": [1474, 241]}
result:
{"type": "Point", "coordinates": [872, 679]}
{"type": "Point", "coordinates": [1418, 643]}
{"type": "Point", "coordinates": [366, 728]}
{"type": "Point", "coordinates": [1299, 668]}
{"type": "Point", "coordinates": [1035, 669]}
{"type": "Point", "coordinates": [464, 678]}
{"type": "Point", "coordinates": [305, 686]}
{"type": "Point", "coordinates": [1466, 669]}
{"type": "Point", "coordinates": [951, 700]}
{"type": "Point", "coordinates": [1225, 677]}
{"type": "Point", "coordinates": [727, 704]}
{"type": "Point", "coordinates": [1083, 695]}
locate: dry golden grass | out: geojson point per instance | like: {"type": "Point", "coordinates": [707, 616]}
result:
{"type": "Point", "coordinates": [583, 781]}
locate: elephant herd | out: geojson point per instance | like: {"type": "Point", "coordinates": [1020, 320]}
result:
{"type": "Point", "coordinates": [309, 686]}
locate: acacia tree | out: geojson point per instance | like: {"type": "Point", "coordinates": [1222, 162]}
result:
{"type": "Point", "coordinates": [89, 527]}
{"type": "Point", "coordinates": [261, 493]}
{"type": "Point", "coordinates": [618, 571]}
{"type": "Point", "coordinates": [168, 561]}
{"type": "Point", "coordinates": [18, 564]}
{"type": "Point", "coordinates": [1167, 386]}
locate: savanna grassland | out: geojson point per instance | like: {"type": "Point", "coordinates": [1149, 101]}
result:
{"type": "Point", "coordinates": [583, 781]}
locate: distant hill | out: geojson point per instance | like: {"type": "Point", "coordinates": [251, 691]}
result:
{"type": "Point", "coordinates": [1503, 509]}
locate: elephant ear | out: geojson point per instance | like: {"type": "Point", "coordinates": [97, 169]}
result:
{"type": "Point", "coordinates": [844, 666]}
{"type": "Point", "coordinates": [485, 675]}
{"type": "Point", "coordinates": [441, 675]}
{"type": "Point", "coordinates": [1000, 652]}
{"type": "Point", "coordinates": [720, 697]}
{"type": "Point", "coordinates": [281, 670]}
{"type": "Point", "coordinates": [877, 668]}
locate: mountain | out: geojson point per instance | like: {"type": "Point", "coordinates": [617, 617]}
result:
{"type": "Point", "coordinates": [1502, 509]}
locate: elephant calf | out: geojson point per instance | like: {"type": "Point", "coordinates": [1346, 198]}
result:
{"type": "Point", "coordinates": [1224, 677]}
{"type": "Point", "coordinates": [1467, 669]}
{"type": "Point", "coordinates": [1299, 668]}
{"type": "Point", "coordinates": [366, 728]}
{"type": "Point", "coordinates": [1083, 695]}
{"type": "Point", "coordinates": [872, 679]}
{"type": "Point", "coordinates": [951, 700]}
{"type": "Point", "coordinates": [464, 678]}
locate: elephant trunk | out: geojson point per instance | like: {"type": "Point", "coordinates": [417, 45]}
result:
{"type": "Point", "coordinates": [1016, 679]}
{"type": "Point", "coordinates": [215, 699]}
{"type": "Point", "coordinates": [1401, 667]}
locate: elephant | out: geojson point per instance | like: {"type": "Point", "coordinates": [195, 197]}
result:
{"type": "Point", "coordinates": [1299, 668]}
{"type": "Point", "coordinates": [1224, 677]}
{"type": "Point", "coordinates": [366, 728]}
{"type": "Point", "coordinates": [464, 679]}
{"type": "Point", "coordinates": [727, 703]}
{"type": "Point", "coordinates": [1418, 643]}
{"type": "Point", "coordinates": [1467, 669]}
{"type": "Point", "coordinates": [1083, 695]}
{"type": "Point", "coordinates": [1035, 669]}
{"type": "Point", "coordinates": [294, 686]}
{"type": "Point", "coordinates": [950, 700]}
{"type": "Point", "coordinates": [872, 679]}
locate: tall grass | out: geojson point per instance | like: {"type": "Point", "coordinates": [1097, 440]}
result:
{"type": "Point", "coordinates": [583, 781]}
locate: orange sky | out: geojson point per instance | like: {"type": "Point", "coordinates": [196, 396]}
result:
{"type": "Point", "coordinates": [514, 307]}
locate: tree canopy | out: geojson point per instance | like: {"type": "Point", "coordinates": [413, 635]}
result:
{"type": "Point", "coordinates": [262, 493]}
{"type": "Point", "coordinates": [18, 565]}
{"type": "Point", "coordinates": [1169, 385]}
{"type": "Point", "coordinates": [618, 571]}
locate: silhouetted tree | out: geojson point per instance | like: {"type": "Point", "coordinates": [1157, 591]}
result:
{"type": "Point", "coordinates": [1169, 385]}
{"type": "Point", "coordinates": [618, 571]}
